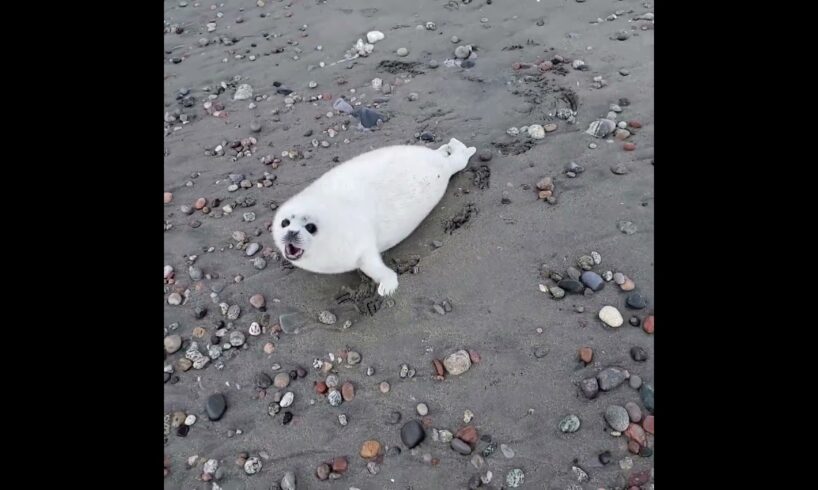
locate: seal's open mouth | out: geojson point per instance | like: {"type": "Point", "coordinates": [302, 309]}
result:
{"type": "Point", "coordinates": [292, 252]}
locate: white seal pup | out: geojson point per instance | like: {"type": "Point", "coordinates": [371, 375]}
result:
{"type": "Point", "coordinates": [365, 206]}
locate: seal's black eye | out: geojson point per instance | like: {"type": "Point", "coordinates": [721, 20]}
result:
{"type": "Point", "coordinates": [285, 223]}
{"type": "Point", "coordinates": [311, 228]}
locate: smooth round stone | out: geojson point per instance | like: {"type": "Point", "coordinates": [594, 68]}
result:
{"type": "Point", "coordinates": [370, 449]}
{"type": "Point", "coordinates": [647, 325]}
{"type": "Point", "coordinates": [252, 466]}
{"type": "Point", "coordinates": [639, 354]}
{"type": "Point", "coordinates": [288, 482]}
{"type": "Point", "coordinates": [332, 381]}
{"type": "Point", "coordinates": [457, 363]}
{"type": "Point", "coordinates": [462, 52]}
{"type": "Point", "coordinates": [536, 131]}
{"type": "Point", "coordinates": [589, 387]}
{"type": "Point", "coordinates": [515, 478]}
{"type": "Point", "coordinates": [412, 433]}
{"type": "Point", "coordinates": [592, 280]}
{"type": "Point", "coordinates": [617, 417]}
{"type": "Point", "coordinates": [327, 318]}
{"type": "Point", "coordinates": [348, 391]}
{"type": "Point", "coordinates": [174, 299]}
{"type": "Point", "coordinates": [173, 343]}
{"type": "Point", "coordinates": [433, 64]}
{"type": "Point", "coordinates": [619, 278]}
{"type": "Point", "coordinates": [281, 380]}
{"type": "Point", "coordinates": [461, 446]}
{"type": "Point", "coordinates": [571, 285]}
{"type": "Point", "coordinates": [611, 316]}
{"type": "Point", "coordinates": [384, 387]}
{"type": "Point", "coordinates": [634, 321]}
{"type": "Point", "coordinates": [586, 354]}
{"type": "Point", "coordinates": [335, 398]}
{"type": "Point", "coordinates": [252, 249]}
{"type": "Point", "coordinates": [605, 457]}
{"type": "Point", "coordinates": [636, 301]}
{"type": "Point", "coordinates": [635, 381]}
{"type": "Point", "coordinates": [610, 378]}
{"type": "Point", "coordinates": [402, 52]}
{"type": "Point", "coordinates": [634, 412]}
{"type": "Point", "coordinates": [422, 409]}
{"type": "Point", "coordinates": [550, 128]}
{"type": "Point", "coordinates": [255, 126]}
{"type": "Point", "coordinates": [557, 292]}
{"type": "Point", "coordinates": [263, 381]}
{"type": "Point", "coordinates": [569, 424]}
{"type": "Point", "coordinates": [215, 406]}
{"type": "Point", "coordinates": [353, 358]}
{"type": "Point", "coordinates": [190, 419]}
{"type": "Point", "coordinates": [236, 338]}
{"type": "Point", "coordinates": [322, 472]}
{"type": "Point", "coordinates": [507, 451]}
{"type": "Point", "coordinates": [257, 301]}
{"type": "Point", "coordinates": [374, 36]}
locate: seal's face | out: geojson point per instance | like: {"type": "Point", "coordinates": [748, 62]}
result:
{"type": "Point", "coordinates": [293, 234]}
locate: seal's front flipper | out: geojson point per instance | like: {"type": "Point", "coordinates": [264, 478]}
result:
{"type": "Point", "coordinates": [372, 265]}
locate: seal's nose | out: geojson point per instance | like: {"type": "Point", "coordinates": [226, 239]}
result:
{"type": "Point", "coordinates": [291, 236]}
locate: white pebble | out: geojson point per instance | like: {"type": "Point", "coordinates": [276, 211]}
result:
{"type": "Point", "coordinates": [611, 316]}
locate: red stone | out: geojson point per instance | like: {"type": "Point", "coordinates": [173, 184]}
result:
{"type": "Point", "coordinates": [629, 146]}
{"type": "Point", "coordinates": [348, 391]}
{"type": "Point", "coordinates": [438, 367]}
{"type": "Point", "coordinates": [474, 356]}
{"type": "Point", "coordinates": [636, 433]}
{"type": "Point", "coordinates": [586, 354]}
{"type": "Point", "coordinates": [633, 447]}
{"type": "Point", "coordinates": [467, 434]}
{"type": "Point", "coordinates": [648, 424]}
{"type": "Point", "coordinates": [339, 464]}
{"type": "Point", "coordinates": [639, 478]}
{"type": "Point", "coordinates": [647, 325]}
{"type": "Point", "coordinates": [200, 203]}
{"type": "Point", "coordinates": [320, 387]}
{"type": "Point", "coordinates": [168, 197]}
{"type": "Point", "coordinates": [635, 124]}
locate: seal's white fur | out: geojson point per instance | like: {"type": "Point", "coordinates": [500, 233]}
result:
{"type": "Point", "coordinates": [365, 206]}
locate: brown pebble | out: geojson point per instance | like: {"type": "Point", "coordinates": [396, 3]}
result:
{"type": "Point", "coordinates": [269, 348]}
{"type": "Point", "coordinates": [474, 356]}
{"type": "Point", "coordinates": [427, 422]}
{"type": "Point", "coordinates": [184, 364]}
{"type": "Point", "coordinates": [320, 387]}
{"type": "Point", "coordinates": [281, 380]}
{"type": "Point", "coordinates": [635, 124]}
{"type": "Point", "coordinates": [348, 391]}
{"type": "Point", "coordinates": [544, 194]}
{"type": "Point", "coordinates": [635, 432]}
{"type": "Point", "coordinates": [633, 446]}
{"type": "Point", "coordinates": [240, 461]}
{"type": "Point", "coordinates": [370, 449]}
{"type": "Point", "coordinates": [629, 146]}
{"type": "Point", "coordinates": [438, 367]}
{"type": "Point", "coordinates": [546, 65]}
{"type": "Point", "coordinates": [628, 285]}
{"type": "Point", "coordinates": [550, 128]}
{"type": "Point", "coordinates": [199, 332]}
{"type": "Point", "coordinates": [168, 197]}
{"type": "Point", "coordinates": [200, 203]}
{"type": "Point", "coordinates": [647, 424]}
{"type": "Point", "coordinates": [467, 434]}
{"type": "Point", "coordinates": [647, 325]}
{"type": "Point", "coordinates": [545, 184]}
{"type": "Point", "coordinates": [340, 464]}
{"type": "Point", "coordinates": [586, 354]}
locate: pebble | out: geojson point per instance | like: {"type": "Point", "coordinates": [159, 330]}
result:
{"type": "Point", "coordinates": [592, 280]}
{"type": "Point", "coordinates": [457, 363]}
{"type": "Point", "coordinates": [550, 128]}
{"type": "Point", "coordinates": [610, 378]}
{"type": "Point", "coordinates": [569, 424]}
{"type": "Point", "coordinates": [412, 433]}
{"type": "Point", "coordinates": [634, 412]}
{"type": "Point", "coordinates": [257, 301]}
{"type": "Point", "coordinates": [353, 358]}
{"type": "Point", "coordinates": [536, 131]}
{"type": "Point", "coordinates": [646, 393]}
{"type": "Point", "coordinates": [402, 52]}
{"type": "Point", "coordinates": [287, 399]}
{"type": "Point", "coordinates": [335, 398]}
{"type": "Point", "coordinates": [322, 472]}
{"type": "Point", "coordinates": [281, 380]}
{"type": "Point", "coordinates": [373, 468]}
{"type": "Point", "coordinates": [586, 355]}
{"type": "Point", "coordinates": [384, 387]}
{"type": "Point", "coordinates": [288, 482]}
{"type": "Point", "coordinates": [236, 338]}
{"type": "Point", "coordinates": [634, 321]}
{"type": "Point", "coordinates": [636, 301]}
{"type": "Point", "coordinates": [461, 446]}
{"type": "Point", "coordinates": [348, 391]}
{"type": "Point", "coordinates": [629, 146]}
{"type": "Point", "coordinates": [233, 312]}
{"type": "Point", "coordinates": [252, 249]}
{"type": "Point", "coordinates": [174, 299]}
{"type": "Point", "coordinates": [370, 449]}
{"type": "Point", "coordinates": [263, 381]}
{"type": "Point", "coordinates": [626, 227]}
{"type": "Point", "coordinates": [462, 52]}
{"type": "Point", "coordinates": [215, 406]}
{"type": "Point", "coordinates": [571, 285]}
{"type": "Point", "coordinates": [243, 92]}
{"type": "Point", "coordinates": [327, 318]}
{"type": "Point", "coordinates": [647, 424]}
{"type": "Point", "coordinates": [393, 418]}
{"type": "Point", "coordinates": [611, 316]}
{"type": "Point", "coordinates": [422, 409]}
{"type": "Point", "coordinates": [617, 417]}
{"type": "Point", "coordinates": [635, 381]}
{"type": "Point", "coordinates": [605, 457]}
{"type": "Point", "coordinates": [647, 325]}
{"type": "Point", "coordinates": [619, 169]}
{"type": "Point", "coordinates": [168, 197]}
{"type": "Point", "coordinates": [515, 478]}
{"type": "Point", "coordinates": [255, 329]}
{"type": "Point", "coordinates": [507, 451]}
{"type": "Point", "coordinates": [619, 278]}
{"type": "Point", "coordinates": [639, 354]}
{"type": "Point", "coordinates": [255, 126]}
{"type": "Point", "coordinates": [374, 36]}
{"type": "Point", "coordinates": [332, 381]}
{"type": "Point", "coordinates": [342, 419]}
{"type": "Point", "coordinates": [252, 466]}
{"type": "Point", "coordinates": [173, 343]}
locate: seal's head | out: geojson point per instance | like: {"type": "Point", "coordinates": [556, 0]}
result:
{"type": "Point", "coordinates": [294, 232]}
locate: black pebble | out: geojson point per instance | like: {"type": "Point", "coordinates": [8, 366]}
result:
{"type": "Point", "coordinates": [634, 321]}
{"type": "Point", "coordinates": [467, 64]}
{"type": "Point", "coordinates": [167, 377]}
{"type": "Point", "coordinates": [605, 457]}
{"type": "Point", "coordinates": [427, 136]}
{"type": "Point", "coordinates": [288, 416]}
{"type": "Point", "coordinates": [216, 406]}
{"type": "Point", "coordinates": [646, 452]}
{"type": "Point", "coordinates": [263, 381]}
{"type": "Point", "coordinates": [636, 301]}
{"type": "Point", "coordinates": [571, 285]}
{"type": "Point", "coordinates": [199, 312]}
{"type": "Point", "coordinates": [412, 433]}
{"type": "Point", "coordinates": [639, 354]}
{"type": "Point", "coordinates": [393, 451]}
{"type": "Point", "coordinates": [293, 374]}
{"type": "Point", "coordinates": [215, 339]}
{"type": "Point", "coordinates": [174, 379]}
{"type": "Point", "coordinates": [182, 430]}
{"type": "Point", "coordinates": [302, 373]}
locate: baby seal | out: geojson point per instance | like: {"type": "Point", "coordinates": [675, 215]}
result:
{"type": "Point", "coordinates": [365, 206]}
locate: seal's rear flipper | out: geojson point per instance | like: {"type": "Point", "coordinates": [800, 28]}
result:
{"type": "Point", "coordinates": [458, 154]}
